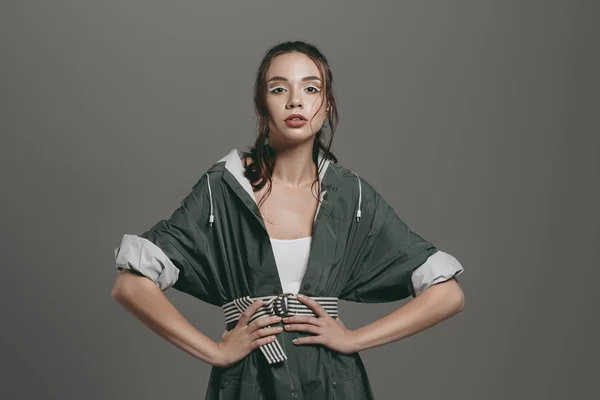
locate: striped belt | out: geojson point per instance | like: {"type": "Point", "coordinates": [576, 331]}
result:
{"type": "Point", "coordinates": [283, 305]}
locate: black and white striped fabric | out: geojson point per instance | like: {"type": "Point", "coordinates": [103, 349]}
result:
{"type": "Point", "coordinates": [285, 304]}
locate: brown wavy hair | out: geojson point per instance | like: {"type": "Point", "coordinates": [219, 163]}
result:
{"type": "Point", "coordinates": [260, 169]}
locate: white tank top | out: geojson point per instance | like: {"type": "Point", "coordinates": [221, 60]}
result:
{"type": "Point", "coordinates": [291, 257]}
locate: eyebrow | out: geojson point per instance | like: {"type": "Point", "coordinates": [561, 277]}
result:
{"type": "Point", "coordinates": [307, 78]}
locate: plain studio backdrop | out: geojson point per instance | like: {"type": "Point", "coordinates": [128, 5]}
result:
{"type": "Point", "coordinates": [476, 120]}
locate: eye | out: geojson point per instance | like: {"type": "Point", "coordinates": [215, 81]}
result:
{"type": "Point", "coordinates": [313, 89]}
{"type": "Point", "coordinates": [277, 89]}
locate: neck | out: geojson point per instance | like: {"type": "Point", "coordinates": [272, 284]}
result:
{"type": "Point", "coordinates": [294, 165]}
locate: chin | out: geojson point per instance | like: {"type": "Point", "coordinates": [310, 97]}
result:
{"type": "Point", "coordinates": [294, 135]}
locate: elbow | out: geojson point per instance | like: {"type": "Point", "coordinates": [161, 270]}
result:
{"type": "Point", "coordinates": [122, 285]}
{"type": "Point", "coordinates": [458, 298]}
{"type": "Point", "coordinates": [129, 284]}
{"type": "Point", "coordinates": [460, 302]}
{"type": "Point", "coordinates": [452, 296]}
{"type": "Point", "coordinates": [117, 292]}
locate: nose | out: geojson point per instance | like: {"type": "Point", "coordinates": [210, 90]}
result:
{"type": "Point", "coordinates": [294, 102]}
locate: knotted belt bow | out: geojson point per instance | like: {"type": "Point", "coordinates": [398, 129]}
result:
{"type": "Point", "coordinates": [283, 305]}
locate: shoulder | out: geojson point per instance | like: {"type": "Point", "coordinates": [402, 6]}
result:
{"type": "Point", "coordinates": [210, 176]}
{"type": "Point", "coordinates": [204, 190]}
{"type": "Point", "coordinates": [353, 183]}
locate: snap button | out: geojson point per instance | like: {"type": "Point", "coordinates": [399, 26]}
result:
{"type": "Point", "coordinates": [306, 286]}
{"type": "Point", "coordinates": [334, 189]}
{"type": "Point", "coordinates": [334, 385]}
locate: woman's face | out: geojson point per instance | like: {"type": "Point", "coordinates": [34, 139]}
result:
{"type": "Point", "coordinates": [294, 86]}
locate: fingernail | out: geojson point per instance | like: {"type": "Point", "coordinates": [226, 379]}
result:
{"type": "Point", "coordinates": [301, 296]}
{"type": "Point", "coordinates": [287, 327]}
{"type": "Point", "coordinates": [286, 318]}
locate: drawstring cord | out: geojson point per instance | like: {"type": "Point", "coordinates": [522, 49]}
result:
{"type": "Point", "coordinates": [211, 219]}
{"type": "Point", "coordinates": [358, 212]}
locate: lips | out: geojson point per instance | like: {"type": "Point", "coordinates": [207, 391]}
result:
{"type": "Point", "coordinates": [295, 121]}
{"type": "Point", "coordinates": [295, 117]}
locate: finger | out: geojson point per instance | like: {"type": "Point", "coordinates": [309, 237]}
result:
{"type": "Point", "coordinates": [313, 305]}
{"type": "Point", "coordinates": [303, 327]}
{"type": "Point", "coordinates": [262, 341]}
{"type": "Point", "coordinates": [265, 332]}
{"type": "Point", "coordinates": [308, 340]}
{"type": "Point", "coordinates": [306, 319]}
{"type": "Point", "coordinates": [249, 311]}
{"type": "Point", "coordinates": [263, 321]}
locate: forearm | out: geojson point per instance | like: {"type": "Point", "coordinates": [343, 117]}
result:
{"type": "Point", "coordinates": [434, 305]}
{"type": "Point", "coordinates": [142, 298]}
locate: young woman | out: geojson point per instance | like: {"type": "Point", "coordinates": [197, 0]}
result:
{"type": "Point", "coordinates": [285, 231]}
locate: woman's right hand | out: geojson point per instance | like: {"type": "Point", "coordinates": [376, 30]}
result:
{"type": "Point", "coordinates": [243, 338]}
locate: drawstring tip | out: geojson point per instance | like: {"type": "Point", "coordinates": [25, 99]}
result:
{"type": "Point", "coordinates": [211, 219]}
{"type": "Point", "coordinates": [358, 215]}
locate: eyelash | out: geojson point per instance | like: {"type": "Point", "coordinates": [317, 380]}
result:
{"type": "Point", "coordinates": [273, 90]}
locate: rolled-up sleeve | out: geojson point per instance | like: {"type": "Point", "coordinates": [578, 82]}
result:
{"type": "Point", "coordinates": [439, 267]}
{"type": "Point", "coordinates": [139, 254]}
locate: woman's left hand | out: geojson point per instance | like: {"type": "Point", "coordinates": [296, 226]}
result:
{"type": "Point", "coordinates": [328, 331]}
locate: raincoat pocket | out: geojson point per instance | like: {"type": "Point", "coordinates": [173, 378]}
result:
{"type": "Point", "coordinates": [354, 388]}
{"type": "Point", "coordinates": [236, 391]}
{"type": "Point", "coordinates": [233, 382]}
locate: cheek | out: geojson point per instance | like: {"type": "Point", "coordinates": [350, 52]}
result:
{"type": "Point", "coordinates": [274, 112]}
{"type": "Point", "coordinates": [270, 104]}
{"type": "Point", "coordinates": [317, 109]}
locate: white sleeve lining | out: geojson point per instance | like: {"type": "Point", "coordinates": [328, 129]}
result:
{"type": "Point", "coordinates": [439, 267]}
{"type": "Point", "coordinates": [142, 255]}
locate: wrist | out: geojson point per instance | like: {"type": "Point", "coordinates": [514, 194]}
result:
{"type": "Point", "coordinates": [217, 358]}
{"type": "Point", "coordinates": [356, 341]}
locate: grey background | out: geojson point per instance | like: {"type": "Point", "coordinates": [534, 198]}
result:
{"type": "Point", "coordinates": [475, 119]}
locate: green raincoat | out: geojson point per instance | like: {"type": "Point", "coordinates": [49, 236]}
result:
{"type": "Point", "coordinates": [216, 248]}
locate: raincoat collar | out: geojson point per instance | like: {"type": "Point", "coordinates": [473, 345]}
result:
{"type": "Point", "coordinates": [234, 174]}
{"type": "Point", "coordinates": [233, 163]}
